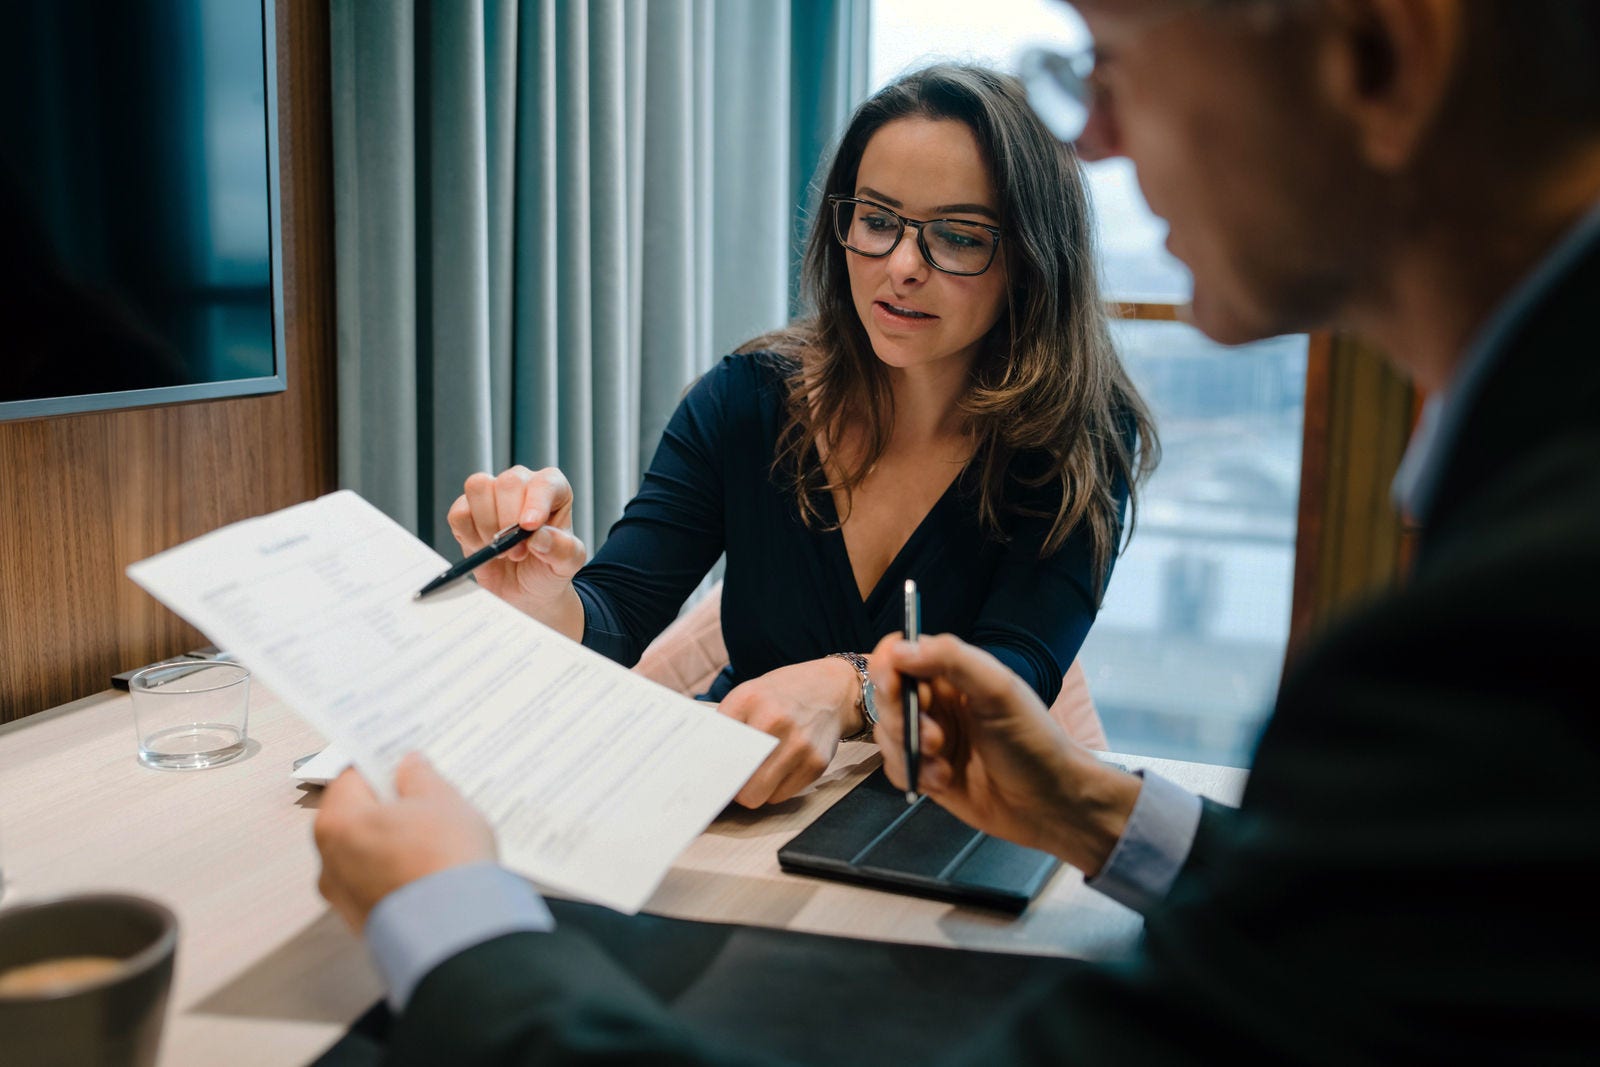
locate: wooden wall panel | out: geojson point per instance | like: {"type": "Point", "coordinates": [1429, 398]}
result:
{"type": "Point", "coordinates": [82, 496]}
{"type": "Point", "coordinates": [1359, 414]}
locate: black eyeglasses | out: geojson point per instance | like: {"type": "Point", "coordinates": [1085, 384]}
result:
{"type": "Point", "coordinates": [954, 246]}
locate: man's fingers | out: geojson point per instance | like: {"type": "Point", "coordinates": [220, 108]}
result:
{"type": "Point", "coordinates": [934, 777]}
{"type": "Point", "coordinates": [892, 748]}
{"type": "Point", "coordinates": [348, 791]}
{"type": "Point", "coordinates": [333, 891]}
{"type": "Point", "coordinates": [327, 885]}
{"type": "Point", "coordinates": [894, 760]}
{"type": "Point", "coordinates": [885, 679]}
{"type": "Point", "coordinates": [416, 776]}
{"type": "Point", "coordinates": [984, 681]}
{"type": "Point", "coordinates": [886, 690]}
{"type": "Point", "coordinates": [343, 800]}
{"type": "Point", "coordinates": [933, 774]}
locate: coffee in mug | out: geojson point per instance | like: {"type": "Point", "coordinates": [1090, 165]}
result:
{"type": "Point", "coordinates": [55, 976]}
{"type": "Point", "coordinates": [84, 980]}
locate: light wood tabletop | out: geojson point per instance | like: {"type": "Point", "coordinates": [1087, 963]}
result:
{"type": "Point", "coordinates": [266, 974]}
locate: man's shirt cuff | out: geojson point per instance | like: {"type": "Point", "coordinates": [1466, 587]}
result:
{"type": "Point", "coordinates": [420, 925]}
{"type": "Point", "coordinates": [1153, 847]}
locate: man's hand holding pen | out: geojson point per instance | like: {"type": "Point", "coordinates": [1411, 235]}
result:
{"type": "Point", "coordinates": [992, 755]}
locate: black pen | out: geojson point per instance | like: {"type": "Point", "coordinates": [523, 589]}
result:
{"type": "Point", "coordinates": [910, 702]}
{"type": "Point", "coordinates": [504, 540]}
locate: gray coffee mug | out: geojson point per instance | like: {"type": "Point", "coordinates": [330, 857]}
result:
{"type": "Point", "coordinates": [111, 1020]}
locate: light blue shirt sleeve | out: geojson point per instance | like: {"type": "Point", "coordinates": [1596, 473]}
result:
{"type": "Point", "coordinates": [422, 924]}
{"type": "Point", "coordinates": [1147, 857]}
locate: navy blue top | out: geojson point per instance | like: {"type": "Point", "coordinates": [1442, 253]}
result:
{"type": "Point", "coordinates": [789, 594]}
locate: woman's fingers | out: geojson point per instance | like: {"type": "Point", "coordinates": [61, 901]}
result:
{"type": "Point", "coordinates": [802, 763]}
{"type": "Point", "coordinates": [761, 785]}
{"type": "Point", "coordinates": [516, 496]}
{"type": "Point", "coordinates": [788, 768]}
{"type": "Point", "coordinates": [461, 525]}
{"type": "Point", "coordinates": [739, 705]}
{"type": "Point", "coordinates": [512, 489]}
{"type": "Point", "coordinates": [546, 498]}
{"type": "Point", "coordinates": [559, 550]}
{"type": "Point", "coordinates": [480, 490]}
{"type": "Point", "coordinates": [795, 782]}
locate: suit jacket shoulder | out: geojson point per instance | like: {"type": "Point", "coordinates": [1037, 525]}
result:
{"type": "Point", "coordinates": [1410, 872]}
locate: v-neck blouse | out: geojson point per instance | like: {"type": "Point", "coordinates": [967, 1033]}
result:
{"type": "Point", "coordinates": [789, 593]}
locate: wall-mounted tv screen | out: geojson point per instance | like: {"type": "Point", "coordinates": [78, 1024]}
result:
{"type": "Point", "coordinates": [139, 253]}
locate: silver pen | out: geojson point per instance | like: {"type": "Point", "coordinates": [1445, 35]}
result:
{"type": "Point", "coordinates": [910, 701]}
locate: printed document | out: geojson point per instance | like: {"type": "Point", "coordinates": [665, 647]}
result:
{"type": "Point", "coordinates": [594, 777]}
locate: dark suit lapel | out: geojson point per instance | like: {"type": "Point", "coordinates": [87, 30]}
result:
{"type": "Point", "coordinates": [1545, 385]}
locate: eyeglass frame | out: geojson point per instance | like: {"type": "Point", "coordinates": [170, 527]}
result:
{"type": "Point", "coordinates": [1039, 65]}
{"type": "Point", "coordinates": [836, 199]}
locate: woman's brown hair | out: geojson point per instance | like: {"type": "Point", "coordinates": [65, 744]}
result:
{"type": "Point", "coordinates": [1046, 382]}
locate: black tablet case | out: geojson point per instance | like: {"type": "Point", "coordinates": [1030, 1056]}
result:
{"type": "Point", "coordinates": [873, 837]}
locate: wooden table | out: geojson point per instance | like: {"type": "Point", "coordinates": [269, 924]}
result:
{"type": "Point", "coordinates": [266, 974]}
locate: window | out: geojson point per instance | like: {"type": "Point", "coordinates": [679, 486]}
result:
{"type": "Point", "coordinates": [1185, 656]}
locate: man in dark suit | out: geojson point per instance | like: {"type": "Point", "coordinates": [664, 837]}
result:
{"type": "Point", "coordinates": [1412, 872]}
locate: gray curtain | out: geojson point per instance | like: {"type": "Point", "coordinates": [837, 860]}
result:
{"type": "Point", "coordinates": [551, 216]}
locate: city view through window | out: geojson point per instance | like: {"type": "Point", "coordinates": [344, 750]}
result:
{"type": "Point", "coordinates": [1185, 655]}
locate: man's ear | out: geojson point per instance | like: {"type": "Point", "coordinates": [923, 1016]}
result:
{"type": "Point", "coordinates": [1388, 67]}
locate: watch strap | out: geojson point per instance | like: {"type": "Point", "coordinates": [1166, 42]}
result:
{"type": "Point", "coordinates": [864, 702]}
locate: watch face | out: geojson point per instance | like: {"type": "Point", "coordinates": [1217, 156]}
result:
{"type": "Point", "coordinates": [869, 703]}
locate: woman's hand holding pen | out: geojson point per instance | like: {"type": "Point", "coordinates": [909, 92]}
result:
{"type": "Point", "coordinates": [536, 575]}
{"type": "Point", "coordinates": [807, 707]}
{"type": "Point", "coordinates": [993, 756]}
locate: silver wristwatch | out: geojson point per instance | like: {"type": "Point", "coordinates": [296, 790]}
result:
{"type": "Point", "coordinates": [869, 708]}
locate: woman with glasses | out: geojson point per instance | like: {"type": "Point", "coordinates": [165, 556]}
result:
{"type": "Point", "coordinates": [951, 411]}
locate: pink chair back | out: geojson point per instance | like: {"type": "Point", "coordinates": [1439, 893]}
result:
{"type": "Point", "coordinates": [689, 654]}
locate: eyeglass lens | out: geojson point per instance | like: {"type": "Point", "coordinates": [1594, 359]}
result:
{"type": "Point", "coordinates": [1058, 90]}
{"type": "Point", "coordinates": [949, 244]}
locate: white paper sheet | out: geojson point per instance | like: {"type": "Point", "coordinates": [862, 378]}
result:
{"type": "Point", "coordinates": [320, 768]}
{"type": "Point", "coordinates": [594, 778]}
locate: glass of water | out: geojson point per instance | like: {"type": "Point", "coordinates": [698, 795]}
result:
{"type": "Point", "coordinates": [190, 714]}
